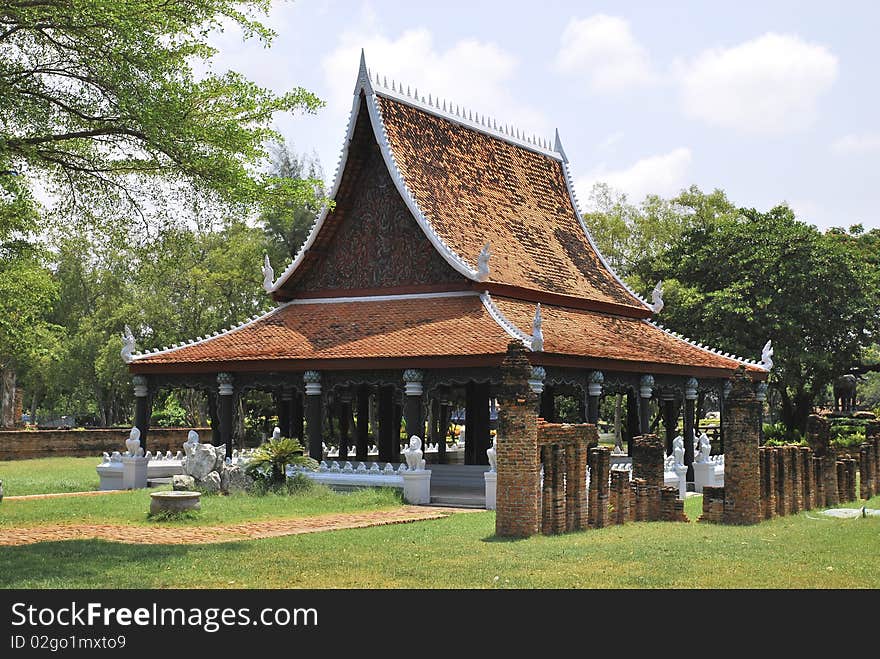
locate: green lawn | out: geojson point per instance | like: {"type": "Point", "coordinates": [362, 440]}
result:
{"type": "Point", "coordinates": [130, 508]}
{"type": "Point", "coordinates": [47, 475]}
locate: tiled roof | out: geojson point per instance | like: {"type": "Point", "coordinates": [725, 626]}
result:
{"type": "Point", "coordinates": [474, 187]}
{"type": "Point", "coordinates": [458, 325]}
{"type": "Point", "coordinates": [392, 328]}
{"type": "Point", "coordinates": [592, 334]}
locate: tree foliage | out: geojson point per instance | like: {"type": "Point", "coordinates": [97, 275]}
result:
{"type": "Point", "coordinates": [105, 101]}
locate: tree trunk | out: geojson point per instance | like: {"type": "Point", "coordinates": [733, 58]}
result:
{"type": "Point", "coordinates": [7, 397]}
{"type": "Point", "coordinates": [795, 410]}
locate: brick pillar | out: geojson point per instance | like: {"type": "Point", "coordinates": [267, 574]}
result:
{"type": "Point", "coordinates": [809, 492]}
{"type": "Point", "coordinates": [851, 466]}
{"type": "Point", "coordinates": [866, 471]}
{"type": "Point", "coordinates": [797, 483]}
{"type": "Point", "coordinates": [517, 449]}
{"type": "Point", "coordinates": [600, 468]}
{"type": "Point", "coordinates": [559, 470]}
{"type": "Point", "coordinates": [819, 439]}
{"type": "Point", "coordinates": [640, 488]}
{"type": "Point", "coordinates": [671, 507]}
{"type": "Point", "coordinates": [768, 482]}
{"type": "Point", "coordinates": [620, 496]}
{"type": "Point", "coordinates": [648, 465]}
{"type": "Point", "coordinates": [547, 486]}
{"type": "Point", "coordinates": [713, 505]}
{"type": "Point", "coordinates": [840, 470]}
{"type": "Point", "coordinates": [572, 489]}
{"type": "Point", "coordinates": [818, 482]}
{"type": "Point", "coordinates": [783, 482]}
{"type": "Point", "coordinates": [742, 487]}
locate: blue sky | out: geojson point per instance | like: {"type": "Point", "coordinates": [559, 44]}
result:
{"type": "Point", "coordinates": [771, 102]}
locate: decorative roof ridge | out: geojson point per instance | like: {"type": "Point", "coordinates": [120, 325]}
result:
{"type": "Point", "coordinates": [569, 184]}
{"type": "Point", "coordinates": [382, 298]}
{"type": "Point", "coordinates": [503, 322]}
{"type": "Point", "coordinates": [205, 339]}
{"type": "Point", "coordinates": [700, 346]}
{"type": "Point", "coordinates": [464, 117]}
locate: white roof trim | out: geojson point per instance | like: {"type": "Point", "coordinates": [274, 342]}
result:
{"type": "Point", "coordinates": [580, 218]}
{"type": "Point", "coordinates": [512, 330]}
{"type": "Point", "coordinates": [205, 339]}
{"type": "Point", "coordinates": [700, 346]}
{"type": "Point", "coordinates": [435, 108]}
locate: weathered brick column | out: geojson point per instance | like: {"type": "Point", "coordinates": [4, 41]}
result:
{"type": "Point", "coordinates": [620, 496]}
{"type": "Point", "coordinates": [866, 471]}
{"type": "Point", "coordinates": [671, 507]}
{"type": "Point", "coordinates": [818, 482]}
{"type": "Point", "coordinates": [783, 482]}
{"type": "Point", "coordinates": [713, 505]}
{"type": "Point", "coordinates": [850, 464]}
{"type": "Point", "coordinates": [600, 468]}
{"type": "Point", "coordinates": [819, 439]}
{"type": "Point", "coordinates": [742, 487]}
{"type": "Point", "coordinates": [768, 482]}
{"type": "Point", "coordinates": [797, 483]}
{"type": "Point", "coordinates": [648, 466]}
{"type": "Point", "coordinates": [547, 486]}
{"type": "Point", "coordinates": [805, 455]}
{"type": "Point", "coordinates": [517, 449]}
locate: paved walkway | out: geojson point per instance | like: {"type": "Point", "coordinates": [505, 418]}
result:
{"type": "Point", "coordinates": [181, 535]}
{"type": "Point", "coordinates": [55, 495]}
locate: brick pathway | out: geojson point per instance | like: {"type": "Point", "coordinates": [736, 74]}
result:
{"type": "Point", "coordinates": [90, 493]}
{"type": "Point", "coordinates": [179, 535]}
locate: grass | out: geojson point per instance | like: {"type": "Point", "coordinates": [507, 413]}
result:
{"type": "Point", "coordinates": [801, 551]}
{"type": "Point", "coordinates": [47, 475]}
{"type": "Point", "coordinates": [130, 508]}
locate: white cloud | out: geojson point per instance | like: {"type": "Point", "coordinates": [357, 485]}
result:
{"type": "Point", "coordinates": [603, 49]}
{"type": "Point", "coordinates": [476, 74]}
{"type": "Point", "coordinates": [857, 144]}
{"type": "Point", "coordinates": [664, 175]}
{"type": "Point", "coordinates": [767, 85]}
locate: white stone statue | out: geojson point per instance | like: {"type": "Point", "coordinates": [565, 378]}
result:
{"type": "Point", "coordinates": [767, 356]}
{"type": "Point", "coordinates": [705, 449]}
{"type": "Point", "coordinates": [276, 433]}
{"type": "Point", "coordinates": [678, 450]}
{"type": "Point", "coordinates": [492, 454]}
{"type": "Point", "coordinates": [133, 444]}
{"type": "Point", "coordinates": [268, 273]}
{"type": "Point", "coordinates": [461, 436]}
{"type": "Point", "coordinates": [657, 297]}
{"type": "Point", "coordinates": [128, 346]}
{"type": "Point", "coordinates": [413, 454]}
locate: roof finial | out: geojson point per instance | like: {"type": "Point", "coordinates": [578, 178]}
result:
{"type": "Point", "coordinates": [558, 148]}
{"type": "Point", "coordinates": [537, 332]}
{"type": "Point", "coordinates": [767, 356]}
{"type": "Point", "coordinates": [483, 263]}
{"type": "Point", "coordinates": [268, 273]}
{"type": "Point", "coordinates": [363, 79]}
{"type": "Point", "coordinates": [128, 345]}
{"type": "Point", "coordinates": [657, 298]}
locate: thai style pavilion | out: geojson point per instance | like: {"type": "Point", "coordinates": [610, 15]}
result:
{"type": "Point", "coordinates": [449, 235]}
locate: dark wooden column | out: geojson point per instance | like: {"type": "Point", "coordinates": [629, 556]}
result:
{"type": "Point", "coordinates": [412, 389]}
{"type": "Point", "coordinates": [343, 408]}
{"type": "Point", "coordinates": [363, 422]}
{"type": "Point", "coordinates": [398, 422]}
{"type": "Point", "coordinates": [283, 407]}
{"type": "Point", "coordinates": [225, 400]}
{"type": "Point", "coordinates": [314, 415]}
{"type": "Point", "coordinates": [296, 415]}
{"type": "Point", "coordinates": [547, 410]}
{"type": "Point", "coordinates": [690, 401]}
{"type": "Point", "coordinates": [142, 407]}
{"type": "Point", "coordinates": [214, 415]}
{"type": "Point", "coordinates": [387, 435]}
{"type": "Point", "coordinates": [594, 391]}
{"type": "Point", "coordinates": [445, 413]}
{"type": "Point", "coordinates": [722, 407]}
{"type": "Point", "coordinates": [438, 431]}
{"type": "Point", "coordinates": [632, 419]}
{"type": "Point", "coordinates": [646, 386]}
{"type": "Point", "coordinates": [670, 419]}
{"type": "Point", "coordinates": [477, 424]}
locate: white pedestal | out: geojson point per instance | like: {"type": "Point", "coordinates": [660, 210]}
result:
{"type": "Point", "coordinates": [110, 475]}
{"type": "Point", "coordinates": [491, 478]}
{"type": "Point", "coordinates": [704, 474]}
{"type": "Point", "coordinates": [134, 473]}
{"type": "Point", "coordinates": [681, 471]}
{"type": "Point", "coordinates": [417, 487]}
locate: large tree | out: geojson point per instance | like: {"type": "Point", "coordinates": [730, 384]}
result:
{"type": "Point", "coordinates": [741, 279]}
{"type": "Point", "coordinates": [101, 102]}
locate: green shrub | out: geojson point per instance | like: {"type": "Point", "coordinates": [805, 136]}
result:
{"type": "Point", "coordinates": [271, 459]}
{"type": "Point", "coordinates": [174, 516]}
{"type": "Point", "coordinates": [776, 434]}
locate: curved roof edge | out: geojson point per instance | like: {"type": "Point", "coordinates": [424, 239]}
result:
{"type": "Point", "coordinates": [704, 348]}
